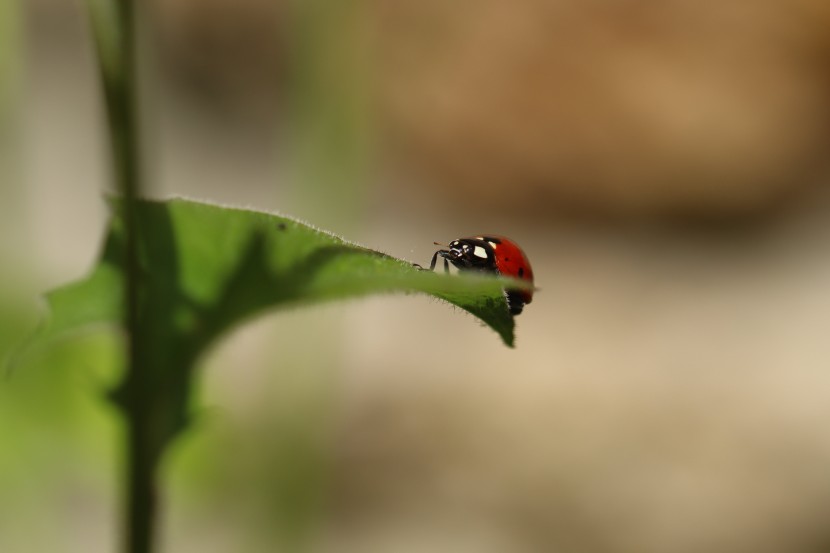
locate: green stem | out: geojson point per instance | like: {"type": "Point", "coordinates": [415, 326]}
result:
{"type": "Point", "coordinates": [113, 23]}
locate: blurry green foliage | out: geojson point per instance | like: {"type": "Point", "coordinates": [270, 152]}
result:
{"type": "Point", "coordinates": [9, 54]}
{"type": "Point", "coordinates": [330, 135]}
{"type": "Point", "coordinates": [58, 438]}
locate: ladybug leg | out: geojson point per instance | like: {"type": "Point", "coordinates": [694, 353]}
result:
{"type": "Point", "coordinates": [435, 259]}
{"type": "Point", "coordinates": [431, 264]}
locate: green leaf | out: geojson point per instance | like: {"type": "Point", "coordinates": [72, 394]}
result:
{"type": "Point", "coordinates": [204, 268]}
{"type": "Point", "coordinates": [211, 267]}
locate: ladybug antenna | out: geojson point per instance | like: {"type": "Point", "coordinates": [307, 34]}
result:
{"type": "Point", "coordinates": [440, 244]}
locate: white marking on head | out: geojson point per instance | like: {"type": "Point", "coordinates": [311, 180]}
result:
{"type": "Point", "coordinates": [480, 252]}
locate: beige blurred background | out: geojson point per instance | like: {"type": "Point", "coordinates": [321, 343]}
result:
{"type": "Point", "coordinates": [665, 167]}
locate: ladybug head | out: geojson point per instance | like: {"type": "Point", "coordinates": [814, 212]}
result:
{"type": "Point", "coordinates": [458, 249]}
{"type": "Point", "coordinates": [455, 251]}
{"type": "Point", "coordinates": [469, 253]}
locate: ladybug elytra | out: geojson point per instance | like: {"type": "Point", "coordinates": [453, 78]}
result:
{"type": "Point", "coordinates": [490, 254]}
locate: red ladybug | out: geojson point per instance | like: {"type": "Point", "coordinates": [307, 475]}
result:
{"type": "Point", "coordinates": [490, 254]}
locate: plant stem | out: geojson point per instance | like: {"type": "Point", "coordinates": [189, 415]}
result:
{"type": "Point", "coordinates": [117, 57]}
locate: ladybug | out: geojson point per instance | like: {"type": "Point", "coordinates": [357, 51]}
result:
{"type": "Point", "coordinates": [490, 254]}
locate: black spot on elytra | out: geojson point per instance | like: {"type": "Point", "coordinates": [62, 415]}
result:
{"type": "Point", "coordinates": [521, 272]}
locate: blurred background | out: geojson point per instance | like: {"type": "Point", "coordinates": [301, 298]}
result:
{"type": "Point", "coordinates": [665, 167]}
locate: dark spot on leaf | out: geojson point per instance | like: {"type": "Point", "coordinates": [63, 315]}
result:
{"type": "Point", "coordinates": [282, 226]}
